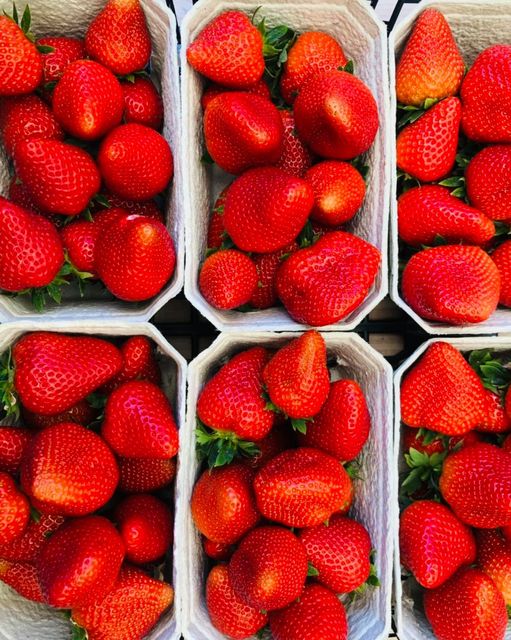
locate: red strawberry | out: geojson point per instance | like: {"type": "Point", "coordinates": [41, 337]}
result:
{"type": "Point", "coordinates": [488, 181]}
{"type": "Point", "coordinates": [147, 208]}
{"type": "Point", "coordinates": [142, 103]}
{"type": "Point", "coordinates": [80, 413]}
{"type": "Point", "coordinates": [223, 504]}
{"type": "Point", "coordinates": [68, 470]}
{"type": "Point", "coordinates": [267, 264]}
{"type": "Point", "coordinates": [135, 258]}
{"type": "Point", "coordinates": [14, 510]}
{"type": "Point", "coordinates": [229, 613]}
{"type": "Point", "coordinates": [323, 284]}
{"type": "Point", "coordinates": [434, 544]}
{"type": "Point", "coordinates": [139, 475]}
{"type": "Point", "coordinates": [20, 196]}
{"type": "Point", "coordinates": [312, 53]}
{"type": "Point", "coordinates": [259, 88]}
{"type": "Point", "coordinates": [243, 130]}
{"type": "Point", "coordinates": [26, 548]}
{"type": "Point", "coordinates": [295, 158]}
{"type": "Point", "coordinates": [412, 439]}
{"type": "Point", "coordinates": [302, 488]}
{"type": "Point", "coordinates": [59, 177]}
{"type": "Point", "coordinates": [65, 51]}
{"type": "Point", "coordinates": [494, 558]}
{"type": "Point", "coordinates": [118, 37]}
{"type": "Point", "coordinates": [454, 284]}
{"type": "Point", "coordinates": [486, 96]}
{"type": "Point", "coordinates": [139, 422]}
{"type": "Point", "coordinates": [325, 130]}
{"type": "Point", "coordinates": [342, 426]}
{"type": "Point", "coordinates": [129, 611]}
{"type": "Point", "coordinates": [79, 239]}
{"type": "Point", "coordinates": [431, 66]}
{"type": "Point", "coordinates": [268, 569]}
{"type": "Point", "coordinates": [469, 605]}
{"type": "Point", "coordinates": [216, 229]}
{"type": "Point", "coordinates": [502, 258]}
{"type": "Point", "coordinates": [297, 377]}
{"type": "Point", "coordinates": [106, 217]}
{"type": "Point", "coordinates": [13, 442]}
{"type": "Point", "coordinates": [430, 211]}
{"type": "Point", "coordinates": [138, 363]}
{"type": "Point", "coordinates": [135, 162]}
{"type": "Point", "coordinates": [317, 615]}
{"type": "Point", "coordinates": [80, 562]}
{"type": "Point", "coordinates": [496, 420]}
{"type": "Point", "coordinates": [229, 50]}
{"type": "Point", "coordinates": [88, 100]}
{"type": "Point", "coordinates": [426, 149]}
{"type": "Point", "coordinates": [21, 66]}
{"type": "Point", "coordinates": [228, 279]}
{"type": "Point", "coordinates": [217, 550]}
{"type": "Point", "coordinates": [146, 528]}
{"type": "Point", "coordinates": [23, 578]}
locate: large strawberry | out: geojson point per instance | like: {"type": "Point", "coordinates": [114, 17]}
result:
{"type": "Point", "coordinates": [68, 470]}
{"type": "Point", "coordinates": [64, 51]}
{"type": "Point", "coordinates": [494, 558]}
{"type": "Point", "coordinates": [21, 66]}
{"type": "Point", "coordinates": [488, 181]}
{"type": "Point", "coordinates": [431, 66]}
{"type": "Point", "coordinates": [23, 578]}
{"type": "Point", "coordinates": [80, 413]}
{"type": "Point", "coordinates": [502, 258]}
{"type": "Point", "coordinates": [139, 475]}
{"type": "Point", "coordinates": [27, 546]}
{"type": "Point", "coordinates": [295, 158]}
{"type": "Point", "coordinates": [142, 103]}
{"type": "Point", "coordinates": [13, 442]}
{"type": "Point", "coordinates": [228, 279]}
{"type": "Point", "coordinates": [323, 284]}
{"type": "Point", "coordinates": [14, 510]}
{"type": "Point", "coordinates": [138, 363]}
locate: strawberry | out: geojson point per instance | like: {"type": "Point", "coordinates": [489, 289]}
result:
{"type": "Point", "coordinates": [414, 439]}
{"type": "Point", "coordinates": [20, 196]}
{"type": "Point", "coordinates": [79, 239]}
{"type": "Point", "coordinates": [139, 422]}
{"type": "Point", "coordinates": [264, 295]}
{"type": "Point", "coordinates": [302, 488]}
{"type": "Point", "coordinates": [14, 510]}
{"type": "Point", "coordinates": [118, 37]}
{"type": "Point", "coordinates": [65, 51]}
{"type": "Point", "coordinates": [88, 100]}
{"type": "Point", "coordinates": [434, 544]}
{"type": "Point", "coordinates": [23, 578]}
{"type": "Point", "coordinates": [229, 50]}
{"type": "Point", "coordinates": [266, 208]}
{"type": "Point", "coordinates": [138, 363]}
{"type": "Point", "coordinates": [502, 258]}
{"type": "Point", "coordinates": [323, 284]}
{"type": "Point", "coordinates": [223, 504]}
{"type": "Point", "coordinates": [228, 612]}
{"type": "Point", "coordinates": [496, 420]}
{"type": "Point", "coordinates": [59, 177]}
{"type": "Point", "coordinates": [217, 550]}
{"type": "Point", "coordinates": [21, 66]}
{"type": "Point", "coordinates": [426, 149]}
{"type": "Point", "coordinates": [68, 470]}
{"type": "Point", "coordinates": [469, 605]}
{"type": "Point", "coordinates": [313, 52]}
{"type": "Point", "coordinates": [431, 66]}
{"type": "Point", "coordinates": [342, 426]}
{"type": "Point", "coordinates": [295, 158]}
{"type": "Point", "coordinates": [228, 279]}
{"type": "Point", "coordinates": [259, 88]}
{"type": "Point", "coordinates": [142, 103]}
{"type": "Point", "coordinates": [325, 130]}
{"type": "Point", "coordinates": [494, 558]}
{"type": "Point", "coordinates": [80, 413]}
{"type": "Point", "coordinates": [139, 475]}
{"type": "Point", "coordinates": [243, 130]}
{"type": "Point", "coordinates": [297, 377]}
{"type": "Point", "coordinates": [488, 182]}
{"type": "Point", "coordinates": [146, 528]}
{"type": "Point", "coordinates": [268, 551]}
{"type": "Point", "coordinates": [129, 611]}
{"type": "Point", "coordinates": [216, 229]}
{"type": "Point", "coordinates": [317, 615]}
{"type": "Point", "coordinates": [27, 547]}
{"type": "Point", "coordinates": [454, 284]}
{"type": "Point", "coordinates": [136, 162]}
{"type": "Point", "coordinates": [13, 442]}
{"type": "Point", "coordinates": [486, 96]}
{"type": "Point", "coordinates": [135, 258]}
{"type": "Point", "coordinates": [147, 208]}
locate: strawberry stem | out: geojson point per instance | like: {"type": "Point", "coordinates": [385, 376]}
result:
{"type": "Point", "coordinates": [221, 447]}
{"type": "Point", "coordinates": [277, 42]}
{"type": "Point", "coordinates": [424, 474]}
{"type": "Point", "coordinates": [8, 395]}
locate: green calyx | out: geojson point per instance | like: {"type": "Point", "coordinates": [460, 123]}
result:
{"type": "Point", "coordinates": [9, 397]}
{"type": "Point", "coordinates": [297, 424]}
{"type": "Point", "coordinates": [372, 580]}
{"type": "Point", "coordinates": [219, 448]}
{"type": "Point", "coordinates": [411, 113]}
{"type": "Point", "coordinates": [424, 475]}
{"type": "Point", "coordinates": [494, 375]}
{"type": "Point", "coordinates": [312, 572]}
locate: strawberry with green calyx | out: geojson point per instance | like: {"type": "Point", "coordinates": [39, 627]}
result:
{"type": "Point", "coordinates": [143, 104]}
{"type": "Point", "coordinates": [220, 447]}
{"type": "Point", "coordinates": [63, 52]}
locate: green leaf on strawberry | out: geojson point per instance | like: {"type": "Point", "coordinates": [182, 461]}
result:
{"type": "Point", "coordinates": [219, 448]}
{"type": "Point", "coordinates": [8, 396]}
{"type": "Point", "coordinates": [494, 375]}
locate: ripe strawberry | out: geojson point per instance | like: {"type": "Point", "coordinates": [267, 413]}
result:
{"type": "Point", "coordinates": [106, 217]}
{"type": "Point", "coordinates": [317, 615]}
{"type": "Point", "coordinates": [313, 52]}
{"type": "Point", "coordinates": [232, 399]}
{"type": "Point", "coordinates": [223, 504]}
{"type": "Point", "coordinates": [426, 149]}
{"type": "Point", "coordinates": [502, 258]}
{"type": "Point", "coordinates": [454, 284]}
{"type": "Point", "coordinates": [494, 558]}
{"type": "Point", "coordinates": [139, 422]}
{"type": "Point", "coordinates": [136, 162]}
{"type": "Point", "coordinates": [228, 279]}
{"type": "Point", "coordinates": [243, 130]}
{"type": "Point", "coordinates": [79, 239]}
{"type": "Point", "coordinates": [302, 488]}
{"type": "Point", "coordinates": [228, 612]}
{"type": "Point", "coordinates": [88, 100]}
{"type": "Point", "coordinates": [268, 551]}
{"type": "Point", "coordinates": [138, 363]}
{"type": "Point", "coordinates": [118, 37]}
{"type": "Point", "coordinates": [264, 295]}
{"type": "Point", "coordinates": [135, 258]}
{"type": "Point", "coordinates": [139, 475]}
{"type": "Point", "coordinates": [431, 66]}
{"type": "Point", "coordinates": [14, 510]}
{"type": "Point", "coordinates": [229, 50]}
{"type": "Point", "coordinates": [129, 611]}
{"type": "Point", "coordinates": [430, 211]}
{"type": "Point", "coordinates": [486, 97]}
{"type": "Point", "coordinates": [217, 550]}
{"type": "Point", "coordinates": [142, 103]}
{"type": "Point", "coordinates": [342, 426]}
{"type": "Point", "coordinates": [59, 177]}
{"type": "Point", "coordinates": [216, 229]}
{"type": "Point", "coordinates": [488, 181]}
{"type": "Point", "coordinates": [65, 51]}
{"type": "Point", "coordinates": [146, 528]}
{"type": "Point", "coordinates": [325, 130]}
{"type": "Point", "coordinates": [496, 420]}
{"type": "Point", "coordinates": [297, 377]}
{"type": "Point", "coordinates": [21, 66]}
{"type": "Point", "coordinates": [266, 208]}
{"type": "Point", "coordinates": [68, 470]}
{"type": "Point", "coordinates": [13, 442]}
{"type": "Point", "coordinates": [295, 158]}
{"type": "Point", "coordinates": [27, 547]}
{"type": "Point", "coordinates": [469, 605]}
{"type": "Point", "coordinates": [147, 208]}
{"type": "Point", "coordinates": [412, 439]}
{"type": "Point", "coordinates": [80, 562]}
{"type": "Point", "coordinates": [260, 88]}
{"type": "Point", "coordinates": [23, 578]}
{"type": "Point", "coordinates": [80, 413]}
{"type": "Point", "coordinates": [323, 284]}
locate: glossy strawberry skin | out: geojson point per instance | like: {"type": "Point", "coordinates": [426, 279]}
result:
{"type": "Point", "coordinates": [259, 88]}
{"type": "Point", "coordinates": [217, 550]}
{"type": "Point", "coordinates": [494, 558]}
{"type": "Point", "coordinates": [138, 363]}
{"type": "Point", "coordinates": [502, 258]}
{"type": "Point", "coordinates": [80, 413]}
{"type": "Point", "coordinates": [14, 510]}
{"type": "Point", "coordinates": [228, 279]}
{"type": "Point", "coordinates": [488, 182]}
{"type": "Point", "coordinates": [27, 547]}
{"type": "Point", "coordinates": [139, 475]}
{"type": "Point", "coordinates": [142, 103]}
{"type": "Point", "coordinates": [79, 239]}
{"type": "Point", "coordinates": [295, 158]}
{"type": "Point", "coordinates": [147, 208]}
{"type": "Point", "coordinates": [216, 229]}
{"type": "Point", "coordinates": [23, 578]}
{"type": "Point", "coordinates": [264, 295]}
{"type": "Point", "coordinates": [21, 66]}
{"type": "Point", "coordinates": [13, 442]}
{"type": "Point", "coordinates": [65, 51]}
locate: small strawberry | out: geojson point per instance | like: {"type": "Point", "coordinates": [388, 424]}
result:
{"type": "Point", "coordinates": [453, 284]}
{"type": "Point", "coordinates": [27, 547]}
{"type": "Point", "coordinates": [21, 66]}
{"type": "Point", "coordinates": [268, 569]}
{"type": "Point", "coordinates": [14, 510]}
{"type": "Point", "coordinates": [416, 439]}
{"type": "Point", "coordinates": [23, 578]}
{"type": "Point", "coordinates": [80, 413]}
{"type": "Point", "coordinates": [148, 208]}
{"type": "Point", "coordinates": [13, 442]}
{"type": "Point", "coordinates": [65, 51]}
{"type": "Point", "coordinates": [140, 475]}
{"type": "Point", "coordinates": [488, 181]}
{"type": "Point", "coordinates": [142, 103]}
{"type": "Point", "coordinates": [228, 279]}
{"type": "Point", "coordinates": [502, 258]}
{"type": "Point", "coordinates": [259, 88]}
{"type": "Point", "coordinates": [267, 264]}
{"type": "Point", "coordinates": [295, 158]}
{"type": "Point", "coordinates": [216, 229]}
{"type": "Point", "coordinates": [217, 550]}
{"type": "Point", "coordinates": [118, 37]}
{"type": "Point", "coordinates": [229, 50]}
{"type": "Point", "coordinates": [138, 363]}
{"type": "Point", "coordinates": [79, 239]}
{"type": "Point", "coordinates": [494, 558]}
